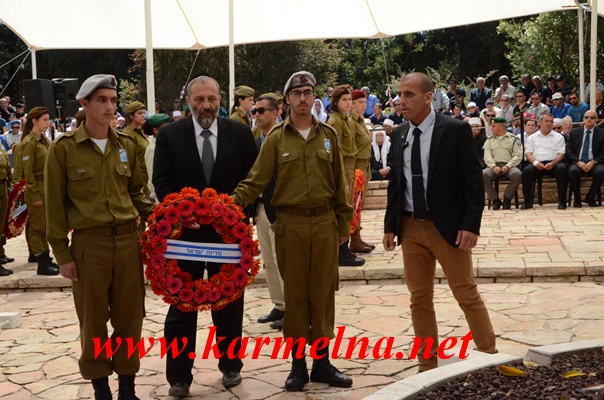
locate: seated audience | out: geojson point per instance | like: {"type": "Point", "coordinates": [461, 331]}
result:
{"type": "Point", "coordinates": [380, 156]}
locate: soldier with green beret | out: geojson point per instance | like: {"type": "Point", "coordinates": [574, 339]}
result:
{"type": "Point", "coordinates": [502, 155]}
{"type": "Point", "coordinates": [151, 128]}
{"type": "Point", "coordinates": [94, 188]}
{"type": "Point", "coordinates": [313, 215]}
{"type": "Point", "coordinates": [135, 118]}
{"type": "Point", "coordinates": [244, 100]}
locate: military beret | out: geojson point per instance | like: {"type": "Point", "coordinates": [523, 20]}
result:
{"type": "Point", "coordinates": [134, 107]}
{"type": "Point", "coordinates": [157, 119]}
{"type": "Point", "coordinates": [299, 79]}
{"type": "Point", "coordinates": [499, 120]}
{"type": "Point", "coordinates": [244, 91]}
{"type": "Point", "coordinates": [357, 94]}
{"type": "Point", "coordinates": [95, 82]}
{"type": "Point", "coordinates": [274, 96]}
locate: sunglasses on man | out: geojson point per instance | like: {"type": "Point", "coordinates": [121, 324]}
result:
{"type": "Point", "coordinates": [261, 110]}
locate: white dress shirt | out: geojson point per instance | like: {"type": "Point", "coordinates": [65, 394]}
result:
{"type": "Point", "coordinates": [545, 147]}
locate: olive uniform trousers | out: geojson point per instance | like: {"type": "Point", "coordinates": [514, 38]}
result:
{"type": "Point", "coordinates": [37, 222]}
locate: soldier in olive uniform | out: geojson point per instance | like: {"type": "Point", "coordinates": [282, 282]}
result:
{"type": "Point", "coordinates": [34, 147]}
{"type": "Point", "coordinates": [94, 186]}
{"type": "Point", "coordinates": [363, 144]}
{"type": "Point", "coordinates": [502, 155]}
{"type": "Point", "coordinates": [313, 216]}
{"type": "Point", "coordinates": [341, 102]}
{"type": "Point", "coordinates": [135, 118]}
{"type": "Point", "coordinates": [244, 100]}
{"type": "Point", "coordinates": [6, 177]}
{"type": "Point", "coordinates": [17, 176]}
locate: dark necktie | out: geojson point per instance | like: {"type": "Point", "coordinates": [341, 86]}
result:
{"type": "Point", "coordinates": [417, 180]}
{"type": "Point", "coordinates": [207, 156]}
{"type": "Point", "coordinates": [585, 150]}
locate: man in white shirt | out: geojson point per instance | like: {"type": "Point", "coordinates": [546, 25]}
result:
{"type": "Point", "coordinates": [545, 150]}
{"type": "Point", "coordinates": [505, 88]}
{"type": "Point", "coordinates": [440, 101]}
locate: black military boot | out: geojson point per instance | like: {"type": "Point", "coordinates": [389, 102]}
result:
{"type": "Point", "coordinates": [507, 203]}
{"type": "Point", "coordinates": [126, 388]}
{"type": "Point", "coordinates": [496, 204]}
{"type": "Point", "coordinates": [101, 389]}
{"type": "Point", "coordinates": [323, 371]}
{"type": "Point", "coordinates": [298, 377]}
{"type": "Point", "coordinates": [347, 259]}
{"type": "Point", "coordinates": [45, 265]}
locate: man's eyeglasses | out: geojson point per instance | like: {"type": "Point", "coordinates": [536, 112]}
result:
{"type": "Point", "coordinates": [557, 128]}
{"type": "Point", "coordinates": [296, 94]}
{"type": "Point", "coordinates": [504, 100]}
{"type": "Point", "coordinates": [590, 117]}
{"type": "Point", "coordinates": [573, 98]}
{"type": "Point", "coordinates": [490, 115]}
{"type": "Point", "coordinates": [261, 110]}
{"type": "Point", "coordinates": [16, 127]}
{"type": "Point", "coordinates": [397, 104]}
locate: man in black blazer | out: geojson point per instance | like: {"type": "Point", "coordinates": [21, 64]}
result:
{"type": "Point", "coordinates": [435, 203]}
{"type": "Point", "coordinates": [585, 155]}
{"type": "Point", "coordinates": [180, 161]}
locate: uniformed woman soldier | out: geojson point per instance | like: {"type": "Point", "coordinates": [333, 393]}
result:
{"type": "Point", "coordinates": [34, 149]}
{"type": "Point", "coordinates": [5, 179]}
{"type": "Point", "coordinates": [244, 100]}
{"type": "Point", "coordinates": [341, 103]}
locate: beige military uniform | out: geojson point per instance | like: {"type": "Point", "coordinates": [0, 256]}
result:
{"type": "Point", "coordinates": [242, 117]}
{"type": "Point", "coordinates": [99, 195]}
{"type": "Point", "coordinates": [363, 144]}
{"type": "Point", "coordinates": [312, 213]}
{"type": "Point", "coordinates": [17, 176]}
{"type": "Point", "coordinates": [34, 150]}
{"type": "Point", "coordinates": [6, 177]}
{"type": "Point", "coordinates": [503, 151]}
{"type": "Point", "coordinates": [341, 124]}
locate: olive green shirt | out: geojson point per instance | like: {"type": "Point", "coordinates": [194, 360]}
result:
{"type": "Point", "coordinates": [506, 150]}
{"type": "Point", "coordinates": [308, 173]}
{"type": "Point", "coordinates": [86, 188]}
{"type": "Point", "coordinates": [361, 136]}
{"type": "Point", "coordinates": [340, 123]}
{"type": "Point", "coordinates": [6, 173]}
{"type": "Point", "coordinates": [242, 117]}
{"type": "Point", "coordinates": [18, 160]}
{"type": "Point", "coordinates": [142, 142]}
{"type": "Point", "coordinates": [34, 150]}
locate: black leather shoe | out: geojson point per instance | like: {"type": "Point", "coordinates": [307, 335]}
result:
{"type": "Point", "coordinates": [274, 315]}
{"type": "Point", "coordinates": [47, 269]}
{"type": "Point", "coordinates": [561, 205]}
{"type": "Point", "coordinates": [347, 259]}
{"type": "Point", "coordinates": [323, 371]}
{"type": "Point", "coordinates": [4, 271]}
{"type": "Point", "coordinates": [592, 203]}
{"type": "Point", "coordinates": [277, 324]}
{"type": "Point", "coordinates": [298, 377]}
{"type": "Point", "coordinates": [179, 390]}
{"type": "Point", "coordinates": [577, 204]}
{"type": "Point", "coordinates": [101, 389]}
{"type": "Point", "coordinates": [6, 259]}
{"type": "Point", "coordinates": [496, 204]}
{"type": "Point", "coordinates": [32, 258]}
{"type": "Point", "coordinates": [507, 203]}
{"type": "Point", "coordinates": [231, 378]}
{"type": "Point", "coordinates": [526, 206]}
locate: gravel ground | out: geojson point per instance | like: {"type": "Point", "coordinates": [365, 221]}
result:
{"type": "Point", "coordinates": [540, 383]}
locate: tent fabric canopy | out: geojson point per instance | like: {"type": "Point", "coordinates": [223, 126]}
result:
{"type": "Point", "coordinates": [195, 24]}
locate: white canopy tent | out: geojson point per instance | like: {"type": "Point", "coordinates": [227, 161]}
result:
{"type": "Point", "coordinates": [198, 24]}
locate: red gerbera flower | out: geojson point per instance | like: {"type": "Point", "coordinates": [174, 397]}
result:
{"type": "Point", "coordinates": [246, 261]}
{"type": "Point", "coordinates": [162, 245]}
{"type": "Point", "coordinates": [247, 245]}
{"type": "Point", "coordinates": [228, 289]}
{"type": "Point", "coordinates": [217, 210]}
{"type": "Point", "coordinates": [202, 206]}
{"type": "Point", "coordinates": [171, 198]}
{"type": "Point", "coordinates": [205, 219]}
{"type": "Point", "coordinates": [172, 215]}
{"type": "Point", "coordinates": [186, 208]}
{"type": "Point", "coordinates": [174, 285]}
{"type": "Point", "coordinates": [230, 217]}
{"type": "Point", "coordinates": [186, 295]}
{"type": "Point", "coordinates": [209, 193]}
{"type": "Point", "coordinates": [200, 296]}
{"type": "Point", "coordinates": [240, 277]}
{"type": "Point", "coordinates": [214, 294]}
{"type": "Point", "coordinates": [240, 230]}
{"type": "Point", "coordinates": [189, 192]}
{"type": "Point", "coordinates": [163, 228]}
{"type": "Point", "coordinates": [226, 199]}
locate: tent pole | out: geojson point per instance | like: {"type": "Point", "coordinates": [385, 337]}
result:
{"type": "Point", "coordinates": [593, 56]}
{"type": "Point", "coordinates": [34, 66]}
{"type": "Point", "coordinates": [149, 53]}
{"type": "Point", "coordinates": [580, 11]}
{"type": "Point", "coordinates": [231, 56]}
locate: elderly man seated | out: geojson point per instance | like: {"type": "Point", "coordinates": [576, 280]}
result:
{"type": "Point", "coordinates": [380, 156]}
{"type": "Point", "coordinates": [502, 155]}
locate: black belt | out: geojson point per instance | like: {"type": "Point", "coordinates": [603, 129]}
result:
{"type": "Point", "coordinates": [306, 212]}
{"type": "Point", "coordinates": [412, 215]}
{"type": "Point", "coordinates": [107, 230]}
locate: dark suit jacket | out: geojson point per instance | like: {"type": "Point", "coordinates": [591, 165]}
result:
{"type": "Point", "coordinates": [455, 194]}
{"type": "Point", "coordinates": [177, 163]}
{"type": "Point", "coordinates": [267, 194]}
{"type": "Point", "coordinates": [575, 143]}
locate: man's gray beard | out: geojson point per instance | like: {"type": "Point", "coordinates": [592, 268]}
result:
{"type": "Point", "coordinates": [205, 123]}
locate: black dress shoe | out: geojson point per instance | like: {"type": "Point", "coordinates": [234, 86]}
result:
{"type": "Point", "coordinates": [7, 259]}
{"type": "Point", "coordinates": [47, 269]}
{"type": "Point", "coordinates": [592, 203]}
{"type": "Point", "coordinates": [274, 315]}
{"type": "Point", "coordinates": [496, 204]}
{"type": "Point", "coordinates": [526, 206]}
{"type": "Point", "coordinates": [3, 261]}
{"type": "Point", "coordinates": [323, 371]}
{"type": "Point", "coordinates": [5, 272]}
{"type": "Point", "coordinates": [179, 390]}
{"type": "Point", "coordinates": [507, 203]}
{"type": "Point", "coordinates": [231, 378]}
{"type": "Point", "coordinates": [577, 204]}
{"type": "Point", "coordinates": [32, 258]}
{"type": "Point", "coordinates": [298, 377]}
{"type": "Point", "coordinates": [277, 324]}
{"type": "Point", "coordinates": [561, 205]}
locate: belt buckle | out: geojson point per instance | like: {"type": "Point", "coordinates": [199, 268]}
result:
{"type": "Point", "coordinates": [114, 231]}
{"type": "Point", "coordinates": [312, 211]}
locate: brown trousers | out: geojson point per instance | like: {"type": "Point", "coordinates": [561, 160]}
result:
{"type": "Point", "coordinates": [37, 223]}
{"type": "Point", "coordinates": [307, 256]}
{"type": "Point", "coordinates": [422, 245]}
{"type": "Point", "coordinates": [110, 288]}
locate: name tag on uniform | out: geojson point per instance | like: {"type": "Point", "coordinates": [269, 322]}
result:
{"type": "Point", "coordinates": [327, 144]}
{"type": "Point", "coordinates": [123, 155]}
{"type": "Point", "coordinates": [25, 158]}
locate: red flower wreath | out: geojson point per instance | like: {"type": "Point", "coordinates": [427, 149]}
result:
{"type": "Point", "coordinates": [13, 227]}
{"type": "Point", "coordinates": [176, 286]}
{"type": "Point", "coordinates": [359, 189]}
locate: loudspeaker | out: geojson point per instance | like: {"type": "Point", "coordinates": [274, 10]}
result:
{"type": "Point", "coordinates": [40, 93]}
{"type": "Point", "coordinates": [65, 90]}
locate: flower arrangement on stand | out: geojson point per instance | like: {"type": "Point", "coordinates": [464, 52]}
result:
{"type": "Point", "coordinates": [16, 216]}
{"type": "Point", "coordinates": [359, 189]}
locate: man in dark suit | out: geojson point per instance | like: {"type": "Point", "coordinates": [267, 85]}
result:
{"type": "Point", "coordinates": [585, 155]}
{"type": "Point", "coordinates": [435, 203]}
{"type": "Point", "coordinates": [184, 157]}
